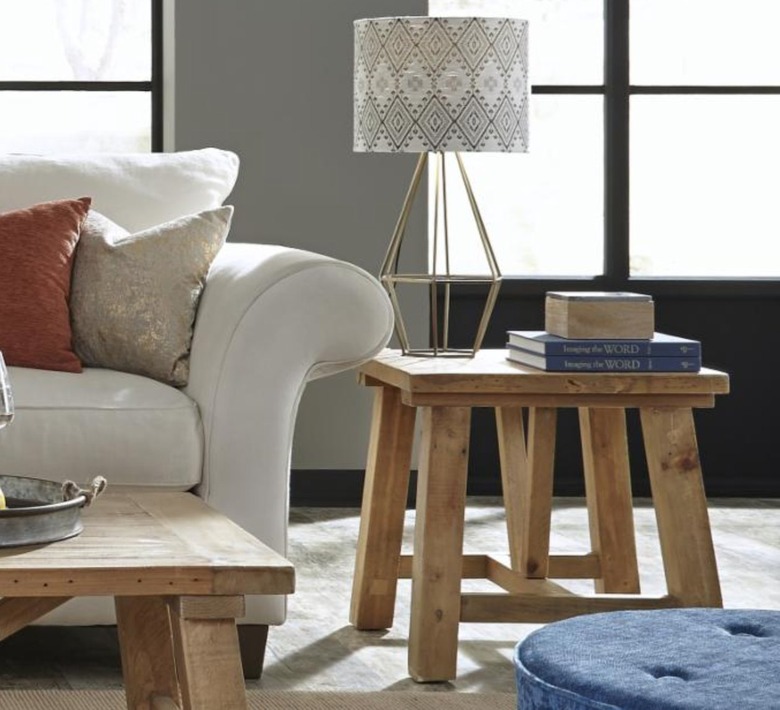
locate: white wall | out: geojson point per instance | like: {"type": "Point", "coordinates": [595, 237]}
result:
{"type": "Point", "coordinates": [272, 80]}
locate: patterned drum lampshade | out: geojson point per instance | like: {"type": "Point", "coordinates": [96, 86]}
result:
{"type": "Point", "coordinates": [440, 84]}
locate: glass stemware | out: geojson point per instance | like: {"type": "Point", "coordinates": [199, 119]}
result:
{"type": "Point", "coordinates": [6, 399]}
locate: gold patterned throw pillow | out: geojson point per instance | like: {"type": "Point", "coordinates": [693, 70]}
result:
{"type": "Point", "coordinates": [134, 297]}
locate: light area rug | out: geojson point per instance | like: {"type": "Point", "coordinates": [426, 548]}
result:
{"type": "Point", "coordinates": [270, 700]}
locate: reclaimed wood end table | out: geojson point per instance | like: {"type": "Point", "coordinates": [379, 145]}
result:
{"type": "Point", "coordinates": [178, 570]}
{"type": "Point", "coordinates": [445, 390]}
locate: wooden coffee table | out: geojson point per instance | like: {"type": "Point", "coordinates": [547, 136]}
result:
{"type": "Point", "coordinates": [178, 571]}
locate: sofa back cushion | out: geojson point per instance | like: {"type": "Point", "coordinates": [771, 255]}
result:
{"type": "Point", "coordinates": [36, 258]}
{"type": "Point", "coordinates": [135, 190]}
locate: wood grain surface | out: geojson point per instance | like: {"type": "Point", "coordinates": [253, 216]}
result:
{"type": "Point", "coordinates": [147, 544]}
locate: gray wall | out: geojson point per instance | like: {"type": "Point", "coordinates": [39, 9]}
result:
{"type": "Point", "coordinates": [272, 80]}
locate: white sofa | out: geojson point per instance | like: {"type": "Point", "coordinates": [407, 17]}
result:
{"type": "Point", "coordinates": [270, 319]}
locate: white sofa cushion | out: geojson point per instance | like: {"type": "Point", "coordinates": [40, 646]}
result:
{"type": "Point", "coordinates": [136, 190]}
{"type": "Point", "coordinates": [131, 429]}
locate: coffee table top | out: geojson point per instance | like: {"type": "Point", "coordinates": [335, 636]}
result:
{"type": "Point", "coordinates": [137, 544]}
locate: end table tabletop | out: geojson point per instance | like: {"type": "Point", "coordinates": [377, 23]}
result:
{"type": "Point", "coordinates": [178, 570]}
{"type": "Point", "coordinates": [445, 390]}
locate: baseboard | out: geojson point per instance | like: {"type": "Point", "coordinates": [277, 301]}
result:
{"type": "Point", "coordinates": [343, 488]}
{"type": "Point", "coordinates": [333, 488]}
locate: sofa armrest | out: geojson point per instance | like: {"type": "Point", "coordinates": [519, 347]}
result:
{"type": "Point", "coordinates": [270, 319]}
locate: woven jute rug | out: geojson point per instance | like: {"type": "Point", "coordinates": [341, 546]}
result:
{"type": "Point", "coordinates": [267, 700]}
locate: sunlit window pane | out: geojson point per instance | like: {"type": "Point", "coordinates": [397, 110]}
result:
{"type": "Point", "coordinates": [74, 121]}
{"type": "Point", "coordinates": [566, 37]}
{"type": "Point", "coordinates": [702, 42]}
{"type": "Point", "coordinates": [543, 210]}
{"type": "Point", "coordinates": [75, 40]}
{"type": "Point", "coordinates": [705, 172]}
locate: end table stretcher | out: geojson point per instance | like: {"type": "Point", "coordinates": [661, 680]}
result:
{"type": "Point", "coordinates": [445, 390]}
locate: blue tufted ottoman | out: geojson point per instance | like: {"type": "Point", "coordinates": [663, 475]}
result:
{"type": "Point", "coordinates": [667, 659]}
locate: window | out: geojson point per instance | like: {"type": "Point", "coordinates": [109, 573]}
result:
{"type": "Point", "coordinates": [654, 148]}
{"type": "Point", "coordinates": [80, 75]}
{"type": "Point", "coordinates": [704, 146]}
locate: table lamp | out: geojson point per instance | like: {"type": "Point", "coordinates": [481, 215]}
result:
{"type": "Point", "coordinates": [440, 85]}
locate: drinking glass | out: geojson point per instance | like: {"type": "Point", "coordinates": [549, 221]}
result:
{"type": "Point", "coordinates": [6, 399]}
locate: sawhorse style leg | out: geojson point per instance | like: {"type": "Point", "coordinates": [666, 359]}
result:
{"type": "Point", "coordinates": [181, 652]}
{"type": "Point", "coordinates": [681, 506]}
{"type": "Point", "coordinates": [438, 543]}
{"type": "Point", "coordinates": [610, 505]}
{"type": "Point", "coordinates": [382, 515]}
{"type": "Point", "coordinates": [527, 480]}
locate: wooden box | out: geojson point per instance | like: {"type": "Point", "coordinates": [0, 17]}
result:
{"type": "Point", "coordinates": [599, 314]}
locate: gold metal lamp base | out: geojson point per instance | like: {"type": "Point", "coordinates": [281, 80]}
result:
{"type": "Point", "coordinates": [439, 282]}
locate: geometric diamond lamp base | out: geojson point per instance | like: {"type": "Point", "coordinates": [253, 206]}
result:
{"type": "Point", "coordinates": [439, 286]}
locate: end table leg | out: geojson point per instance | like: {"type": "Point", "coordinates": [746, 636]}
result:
{"type": "Point", "coordinates": [608, 491]}
{"type": "Point", "coordinates": [681, 506]}
{"type": "Point", "coordinates": [514, 474]}
{"type": "Point", "coordinates": [438, 543]}
{"type": "Point", "coordinates": [527, 481]}
{"type": "Point", "coordinates": [144, 630]}
{"type": "Point", "coordinates": [382, 515]}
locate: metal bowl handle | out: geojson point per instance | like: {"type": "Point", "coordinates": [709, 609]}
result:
{"type": "Point", "coordinates": [71, 490]}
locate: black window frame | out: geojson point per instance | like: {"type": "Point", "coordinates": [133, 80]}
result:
{"type": "Point", "coordinates": [617, 91]}
{"type": "Point", "coordinates": [154, 85]}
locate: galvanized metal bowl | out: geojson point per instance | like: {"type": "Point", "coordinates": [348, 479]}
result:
{"type": "Point", "coordinates": [39, 511]}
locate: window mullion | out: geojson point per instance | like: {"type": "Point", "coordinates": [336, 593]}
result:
{"type": "Point", "coordinates": [616, 141]}
{"type": "Point", "coordinates": [157, 76]}
{"type": "Point", "coordinates": [81, 85]}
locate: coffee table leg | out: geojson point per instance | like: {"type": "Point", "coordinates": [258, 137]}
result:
{"type": "Point", "coordinates": [681, 506]}
{"type": "Point", "coordinates": [382, 515]}
{"type": "Point", "coordinates": [608, 491]}
{"type": "Point", "coordinates": [438, 543]}
{"type": "Point", "coordinates": [205, 645]}
{"type": "Point", "coordinates": [144, 629]}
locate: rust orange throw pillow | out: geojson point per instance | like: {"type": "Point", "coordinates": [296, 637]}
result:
{"type": "Point", "coordinates": [36, 257]}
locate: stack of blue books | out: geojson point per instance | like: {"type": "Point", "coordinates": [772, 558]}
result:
{"type": "Point", "coordinates": [661, 353]}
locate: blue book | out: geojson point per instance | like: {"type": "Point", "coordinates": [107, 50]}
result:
{"type": "Point", "coordinates": [585, 363]}
{"type": "Point", "coordinates": [538, 341]}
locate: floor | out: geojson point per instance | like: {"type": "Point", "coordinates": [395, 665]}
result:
{"type": "Point", "coordinates": [317, 648]}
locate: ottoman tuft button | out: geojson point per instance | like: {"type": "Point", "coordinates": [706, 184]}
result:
{"type": "Point", "coordinates": [745, 630]}
{"type": "Point", "coordinates": [669, 674]}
